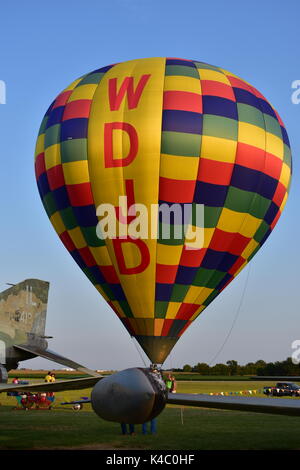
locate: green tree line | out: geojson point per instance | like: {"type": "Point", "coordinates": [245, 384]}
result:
{"type": "Point", "coordinates": [232, 367]}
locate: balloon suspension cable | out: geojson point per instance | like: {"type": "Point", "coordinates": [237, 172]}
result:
{"type": "Point", "coordinates": [235, 318]}
{"type": "Point", "coordinates": [171, 360]}
{"type": "Point", "coordinates": [136, 346]}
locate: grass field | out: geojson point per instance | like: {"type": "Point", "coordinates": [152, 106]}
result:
{"type": "Point", "coordinates": [186, 428]}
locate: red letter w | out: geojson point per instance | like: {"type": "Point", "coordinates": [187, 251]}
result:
{"type": "Point", "coordinates": [133, 96]}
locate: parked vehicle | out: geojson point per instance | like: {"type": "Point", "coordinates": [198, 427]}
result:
{"type": "Point", "coordinates": [283, 389]}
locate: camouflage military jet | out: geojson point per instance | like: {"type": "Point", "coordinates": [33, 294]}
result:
{"type": "Point", "coordinates": [133, 395]}
{"type": "Point", "coordinates": [23, 310]}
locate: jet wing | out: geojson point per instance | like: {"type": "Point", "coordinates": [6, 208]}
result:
{"type": "Point", "coordinates": [53, 356]}
{"type": "Point", "coordinates": [59, 386]}
{"type": "Point", "coordinates": [281, 406]}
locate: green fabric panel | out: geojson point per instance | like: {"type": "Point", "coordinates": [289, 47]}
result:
{"type": "Point", "coordinates": [90, 236]}
{"type": "Point", "coordinates": [273, 126]}
{"type": "Point", "coordinates": [92, 78]}
{"type": "Point", "coordinates": [202, 65]}
{"type": "Point", "coordinates": [73, 150]}
{"type": "Point", "coordinates": [211, 216]}
{"type": "Point", "coordinates": [287, 157]}
{"type": "Point", "coordinates": [211, 297]}
{"type": "Point", "coordinates": [106, 288]}
{"type": "Point", "coordinates": [261, 231]}
{"type": "Point", "coordinates": [126, 308]}
{"type": "Point", "coordinates": [247, 202]}
{"type": "Point", "coordinates": [220, 126]}
{"type": "Point", "coordinates": [89, 275]}
{"type": "Point", "coordinates": [161, 308]}
{"type": "Point", "coordinates": [250, 114]}
{"type": "Point", "coordinates": [180, 143]}
{"type": "Point", "coordinates": [181, 70]}
{"type": "Point", "coordinates": [49, 204]}
{"type": "Point", "coordinates": [208, 278]}
{"type": "Point", "coordinates": [68, 218]}
{"type": "Point", "coordinates": [259, 206]}
{"type": "Point", "coordinates": [52, 135]}
{"type": "Point", "coordinates": [238, 200]}
{"type": "Point", "coordinates": [179, 292]}
{"type": "Point", "coordinates": [43, 125]}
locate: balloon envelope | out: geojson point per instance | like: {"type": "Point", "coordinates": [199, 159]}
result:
{"type": "Point", "coordinates": [162, 132]}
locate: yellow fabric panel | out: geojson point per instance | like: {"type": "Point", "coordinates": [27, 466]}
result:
{"type": "Point", "coordinates": [57, 223]}
{"type": "Point", "coordinates": [168, 254]}
{"type": "Point", "coordinates": [131, 254]}
{"type": "Point", "coordinates": [118, 308]}
{"type": "Point", "coordinates": [52, 156]}
{"type": "Point", "coordinates": [208, 233]}
{"type": "Point", "coordinates": [250, 226]}
{"type": "Point", "coordinates": [283, 202]}
{"type": "Point", "coordinates": [172, 310]}
{"type": "Point", "coordinates": [99, 289]}
{"type": "Point", "coordinates": [77, 237]}
{"type": "Point", "coordinates": [178, 168]}
{"type": "Point", "coordinates": [252, 245]}
{"type": "Point", "coordinates": [230, 74]}
{"type": "Point", "coordinates": [180, 83]}
{"type": "Point", "coordinates": [198, 311]}
{"type": "Point", "coordinates": [197, 295]}
{"type": "Point", "coordinates": [274, 145]}
{"type": "Point", "coordinates": [158, 326]}
{"type": "Point", "coordinates": [217, 148]}
{"type": "Point", "coordinates": [230, 221]}
{"type": "Point", "coordinates": [238, 222]}
{"type": "Point", "coordinates": [40, 144]}
{"type": "Point", "coordinates": [285, 175]}
{"type": "Point", "coordinates": [76, 172]}
{"type": "Point", "coordinates": [206, 74]}
{"type": "Point", "coordinates": [83, 92]}
{"type": "Point", "coordinates": [198, 237]}
{"type": "Point", "coordinates": [251, 135]}
{"type": "Point", "coordinates": [101, 255]}
{"type": "Point", "coordinates": [146, 119]}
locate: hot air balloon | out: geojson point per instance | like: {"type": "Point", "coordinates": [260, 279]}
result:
{"type": "Point", "coordinates": [162, 131]}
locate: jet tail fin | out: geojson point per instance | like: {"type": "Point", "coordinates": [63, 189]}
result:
{"type": "Point", "coordinates": [23, 310]}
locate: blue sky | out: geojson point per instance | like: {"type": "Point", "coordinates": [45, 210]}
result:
{"type": "Point", "coordinates": [43, 49]}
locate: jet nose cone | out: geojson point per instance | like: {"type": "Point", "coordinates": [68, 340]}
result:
{"type": "Point", "coordinates": [130, 396]}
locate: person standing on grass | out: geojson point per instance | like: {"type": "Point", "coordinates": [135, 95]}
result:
{"type": "Point", "coordinates": [174, 385]}
{"type": "Point", "coordinates": [48, 377]}
{"type": "Point", "coordinates": [52, 377]}
{"type": "Point", "coordinates": [124, 429]}
{"type": "Point", "coordinates": [169, 383]}
{"type": "Point", "coordinates": [153, 427]}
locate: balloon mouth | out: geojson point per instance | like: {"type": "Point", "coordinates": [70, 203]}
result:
{"type": "Point", "coordinates": [157, 348]}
